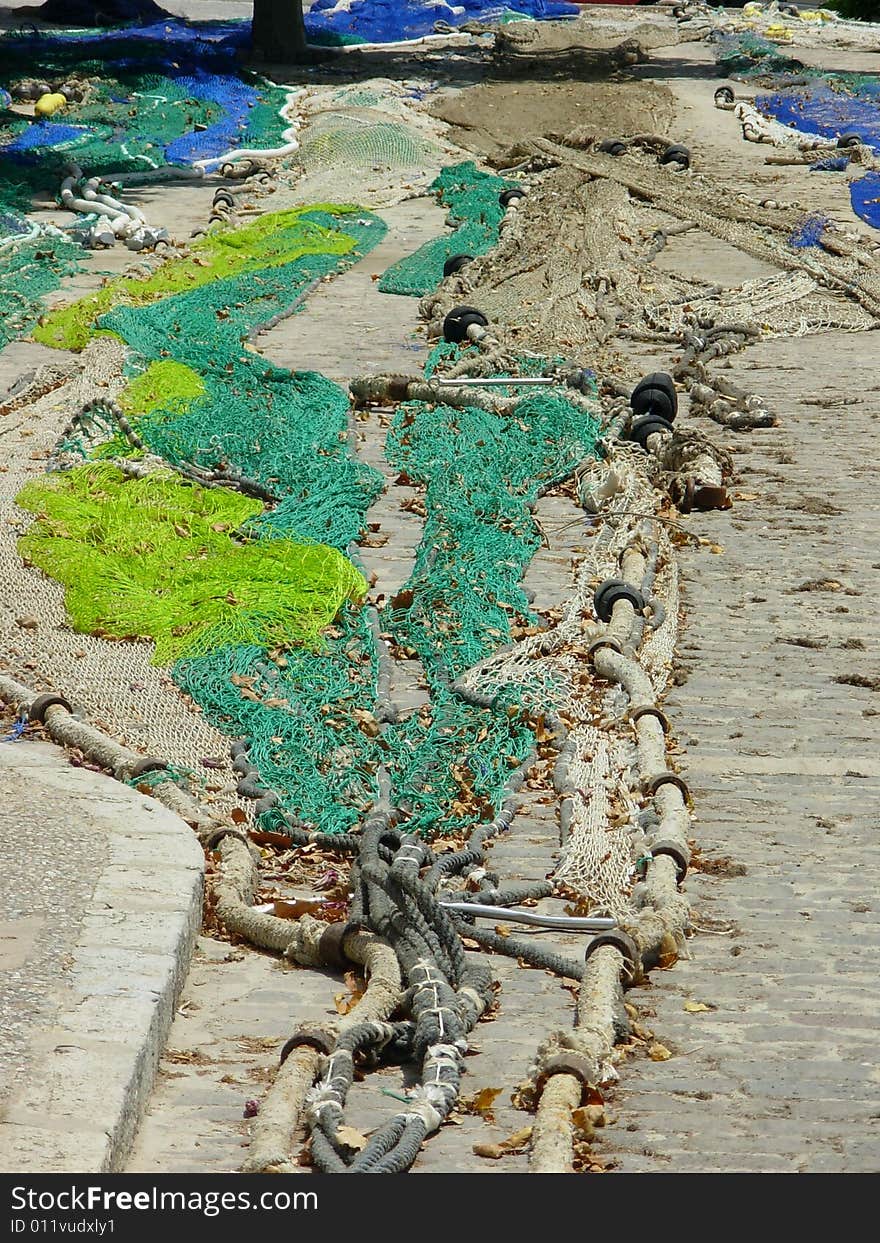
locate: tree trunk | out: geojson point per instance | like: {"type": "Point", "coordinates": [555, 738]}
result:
{"type": "Point", "coordinates": [279, 32]}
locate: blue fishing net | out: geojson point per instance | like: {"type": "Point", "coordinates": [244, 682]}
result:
{"type": "Point", "coordinates": [41, 134]}
{"type": "Point", "coordinates": [389, 21]}
{"type": "Point", "coordinates": [166, 44]}
{"type": "Point", "coordinates": [865, 198]}
{"type": "Point", "coordinates": [808, 232]}
{"type": "Point", "coordinates": [821, 109]}
{"type": "Point", "coordinates": [235, 97]}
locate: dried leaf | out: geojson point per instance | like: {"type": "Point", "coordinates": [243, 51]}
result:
{"type": "Point", "coordinates": [294, 910]}
{"type": "Point", "coordinates": [658, 1052]}
{"type": "Point", "coordinates": [345, 1002]}
{"type": "Point", "coordinates": [262, 838]}
{"type": "Point", "coordinates": [696, 1007]}
{"type": "Point", "coordinates": [587, 1118]}
{"type": "Point", "coordinates": [481, 1102]}
{"type": "Point", "coordinates": [351, 1138]}
{"type": "Point", "coordinates": [514, 1144]}
{"type": "Point", "coordinates": [493, 1151]}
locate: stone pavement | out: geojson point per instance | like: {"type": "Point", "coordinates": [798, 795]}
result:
{"type": "Point", "coordinates": [777, 712]}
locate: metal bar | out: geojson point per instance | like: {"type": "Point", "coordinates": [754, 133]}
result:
{"type": "Point", "coordinates": [493, 381]}
{"type": "Point", "coordinates": [565, 923]}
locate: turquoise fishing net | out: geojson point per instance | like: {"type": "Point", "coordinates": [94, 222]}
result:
{"type": "Point", "coordinates": [472, 198]}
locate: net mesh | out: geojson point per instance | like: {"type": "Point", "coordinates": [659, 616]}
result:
{"type": "Point", "coordinates": [806, 100]}
{"type": "Point", "coordinates": [372, 141]}
{"type": "Point", "coordinates": [389, 21]}
{"type": "Point", "coordinates": [152, 558]}
{"type": "Point", "coordinates": [475, 212]}
{"type": "Point", "coordinates": [33, 261]}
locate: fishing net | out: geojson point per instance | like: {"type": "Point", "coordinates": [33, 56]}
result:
{"type": "Point", "coordinates": [390, 21]}
{"type": "Point", "coordinates": [152, 558]}
{"type": "Point", "coordinates": [481, 472]}
{"type": "Point", "coordinates": [808, 101]}
{"type": "Point", "coordinates": [472, 197]}
{"type": "Point", "coordinates": [146, 97]}
{"type": "Point", "coordinates": [808, 27]}
{"type": "Point", "coordinates": [195, 393]}
{"type": "Point", "coordinates": [278, 240]}
{"type": "Point", "coordinates": [33, 261]}
{"type": "Point", "coordinates": [197, 397]}
{"type": "Point", "coordinates": [370, 156]}
{"type": "Point", "coordinates": [371, 141]}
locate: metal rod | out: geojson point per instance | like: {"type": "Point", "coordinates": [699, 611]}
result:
{"type": "Point", "coordinates": [492, 381]}
{"type": "Point", "coordinates": [565, 923]}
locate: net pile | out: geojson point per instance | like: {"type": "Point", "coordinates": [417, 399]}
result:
{"type": "Point", "coordinates": [812, 101]}
{"type": "Point", "coordinates": [481, 473]}
{"type": "Point", "coordinates": [33, 261]}
{"type": "Point", "coordinates": [194, 393]}
{"type": "Point", "coordinates": [475, 213]}
{"type": "Point", "coordinates": [153, 558]}
{"type": "Point", "coordinates": [808, 27]}
{"type": "Point", "coordinates": [198, 398]}
{"type": "Point", "coordinates": [146, 98]}
{"type": "Point", "coordinates": [391, 21]}
{"type": "Point", "coordinates": [167, 94]}
{"type": "Point", "coordinates": [598, 857]}
{"type": "Point", "coordinates": [607, 283]}
{"type": "Point", "coordinates": [370, 142]}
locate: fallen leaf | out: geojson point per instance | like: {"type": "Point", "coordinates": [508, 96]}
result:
{"type": "Point", "coordinates": [588, 1117]}
{"type": "Point", "coordinates": [659, 1052]}
{"type": "Point", "coordinates": [514, 1144]}
{"type": "Point", "coordinates": [345, 1002]}
{"type": "Point", "coordinates": [493, 1151]}
{"type": "Point", "coordinates": [696, 1007]}
{"type": "Point", "coordinates": [351, 1138]}
{"type": "Point", "coordinates": [480, 1103]}
{"type": "Point", "coordinates": [294, 910]}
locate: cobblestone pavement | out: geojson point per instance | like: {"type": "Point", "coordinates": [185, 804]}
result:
{"type": "Point", "coordinates": [777, 713]}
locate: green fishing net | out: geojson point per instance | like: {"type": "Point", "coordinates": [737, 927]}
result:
{"type": "Point", "coordinates": [296, 676]}
{"type": "Point", "coordinates": [474, 208]}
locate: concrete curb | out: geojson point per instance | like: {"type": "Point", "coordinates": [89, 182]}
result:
{"type": "Point", "coordinates": [93, 1061]}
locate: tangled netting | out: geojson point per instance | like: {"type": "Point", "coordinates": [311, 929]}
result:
{"type": "Point", "coordinates": [33, 261]}
{"type": "Point", "coordinates": [153, 96]}
{"type": "Point", "coordinates": [475, 214]}
{"type": "Point", "coordinates": [813, 101]}
{"type": "Point", "coordinates": [200, 402]}
{"type": "Point", "coordinates": [153, 558]}
{"type": "Point", "coordinates": [142, 99]}
{"type": "Point", "coordinates": [390, 21]}
{"type": "Point", "coordinates": [368, 141]}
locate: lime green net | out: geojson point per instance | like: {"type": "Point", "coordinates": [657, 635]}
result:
{"type": "Point", "coordinates": [275, 240]}
{"type": "Point", "coordinates": [474, 207]}
{"type": "Point", "coordinates": [153, 558]}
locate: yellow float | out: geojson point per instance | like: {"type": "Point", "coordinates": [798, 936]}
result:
{"type": "Point", "coordinates": [48, 105]}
